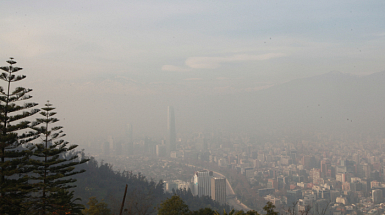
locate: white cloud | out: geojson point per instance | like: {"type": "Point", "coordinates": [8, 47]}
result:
{"type": "Point", "coordinates": [382, 34]}
{"type": "Point", "coordinates": [173, 68]}
{"type": "Point", "coordinates": [215, 62]}
{"type": "Point", "coordinates": [193, 79]}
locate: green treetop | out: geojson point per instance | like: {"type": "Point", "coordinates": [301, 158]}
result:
{"type": "Point", "coordinates": [53, 166]}
{"type": "Point", "coordinates": [173, 206]}
{"type": "Point", "coordinates": [96, 208]}
{"type": "Point", "coordinates": [14, 134]}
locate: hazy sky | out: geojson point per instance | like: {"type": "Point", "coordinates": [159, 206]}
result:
{"type": "Point", "coordinates": [73, 49]}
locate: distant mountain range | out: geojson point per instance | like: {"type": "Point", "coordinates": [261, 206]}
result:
{"type": "Point", "coordinates": [332, 102]}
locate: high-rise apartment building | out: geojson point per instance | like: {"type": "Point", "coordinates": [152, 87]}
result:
{"type": "Point", "coordinates": [283, 182]}
{"type": "Point", "coordinates": [293, 196]}
{"type": "Point", "coordinates": [171, 133]}
{"type": "Point", "coordinates": [249, 172]}
{"type": "Point", "coordinates": [325, 167]}
{"type": "Point", "coordinates": [341, 177]}
{"type": "Point", "coordinates": [306, 160]}
{"type": "Point", "coordinates": [202, 183]}
{"type": "Point", "coordinates": [316, 176]}
{"type": "Point", "coordinates": [218, 190]}
{"type": "Point", "coordinates": [272, 183]}
{"type": "Point", "coordinates": [377, 196]}
{"type": "Point", "coordinates": [367, 170]}
{"type": "Point", "coordinates": [160, 150]}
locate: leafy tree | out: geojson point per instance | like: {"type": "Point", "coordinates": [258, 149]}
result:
{"type": "Point", "coordinates": [269, 208]}
{"type": "Point", "coordinates": [143, 195]}
{"type": "Point", "coordinates": [173, 206]}
{"type": "Point", "coordinates": [100, 180]}
{"type": "Point", "coordinates": [195, 202]}
{"type": "Point", "coordinates": [139, 202]}
{"type": "Point", "coordinates": [65, 203]}
{"type": "Point", "coordinates": [53, 168]}
{"type": "Point", "coordinates": [233, 212]}
{"type": "Point", "coordinates": [14, 133]}
{"type": "Point", "coordinates": [96, 208]}
{"type": "Point", "coordinates": [204, 211]}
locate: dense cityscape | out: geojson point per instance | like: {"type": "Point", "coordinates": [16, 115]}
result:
{"type": "Point", "coordinates": [192, 107]}
{"type": "Point", "coordinates": [344, 175]}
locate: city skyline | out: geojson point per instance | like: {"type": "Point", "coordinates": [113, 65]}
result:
{"type": "Point", "coordinates": [224, 103]}
{"type": "Point", "coordinates": [130, 60]}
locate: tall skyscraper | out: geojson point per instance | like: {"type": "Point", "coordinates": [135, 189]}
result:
{"type": "Point", "coordinates": [171, 133]}
{"type": "Point", "coordinates": [218, 190]}
{"type": "Point", "coordinates": [325, 167]}
{"type": "Point", "coordinates": [160, 150]}
{"type": "Point", "coordinates": [306, 160]}
{"type": "Point", "coordinates": [202, 183]}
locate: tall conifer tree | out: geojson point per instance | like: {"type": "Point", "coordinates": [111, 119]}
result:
{"type": "Point", "coordinates": [54, 166]}
{"type": "Point", "coordinates": [14, 133]}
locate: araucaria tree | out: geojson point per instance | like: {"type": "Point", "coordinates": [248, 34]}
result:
{"type": "Point", "coordinates": [14, 134]}
{"type": "Point", "coordinates": [54, 165]}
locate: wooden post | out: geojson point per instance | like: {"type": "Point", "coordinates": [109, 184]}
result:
{"type": "Point", "coordinates": [124, 199]}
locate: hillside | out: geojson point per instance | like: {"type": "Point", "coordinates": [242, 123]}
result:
{"type": "Point", "coordinates": [102, 182]}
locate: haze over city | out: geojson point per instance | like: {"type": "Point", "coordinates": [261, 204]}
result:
{"type": "Point", "coordinates": [223, 104]}
{"type": "Point", "coordinates": [107, 64]}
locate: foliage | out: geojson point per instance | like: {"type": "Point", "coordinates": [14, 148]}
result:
{"type": "Point", "coordinates": [51, 167]}
{"type": "Point", "coordinates": [196, 202]}
{"type": "Point", "coordinates": [173, 206]}
{"type": "Point", "coordinates": [233, 212]}
{"type": "Point", "coordinates": [139, 203]}
{"type": "Point", "coordinates": [96, 208]}
{"type": "Point", "coordinates": [101, 181]}
{"type": "Point", "coordinates": [34, 179]}
{"type": "Point", "coordinates": [14, 133]}
{"type": "Point", "coordinates": [64, 203]}
{"type": "Point", "coordinates": [269, 208]}
{"type": "Point", "coordinates": [143, 195]}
